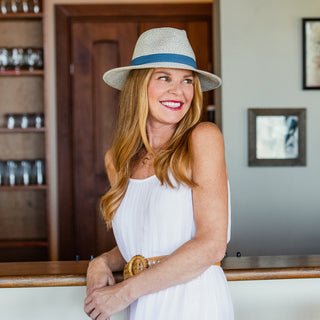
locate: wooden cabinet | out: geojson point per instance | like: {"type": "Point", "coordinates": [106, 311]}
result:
{"type": "Point", "coordinates": [23, 199]}
{"type": "Point", "coordinates": [90, 40]}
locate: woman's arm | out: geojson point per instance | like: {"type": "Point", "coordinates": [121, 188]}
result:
{"type": "Point", "coordinates": [210, 201]}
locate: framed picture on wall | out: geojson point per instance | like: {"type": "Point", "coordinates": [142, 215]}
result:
{"type": "Point", "coordinates": [311, 53]}
{"type": "Point", "coordinates": [276, 137]}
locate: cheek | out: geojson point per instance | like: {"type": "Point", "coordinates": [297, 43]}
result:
{"type": "Point", "coordinates": [153, 93]}
{"type": "Point", "coordinates": [189, 95]}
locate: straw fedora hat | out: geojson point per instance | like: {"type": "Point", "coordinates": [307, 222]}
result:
{"type": "Point", "coordinates": [162, 48]}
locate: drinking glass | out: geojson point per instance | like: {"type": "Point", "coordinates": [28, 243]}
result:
{"type": "Point", "coordinates": [31, 58]}
{"type": "Point", "coordinates": [11, 173]}
{"type": "Point", "coordinates": [24, 121]}
{"type": "Point", "coordinates": [25, 172]}
{"type": "Point", "coordinates": [25, 6]}
{"type": "Point", "coordinates": [34, 58]}
{"type": "Point", "coordinates": [14, 7]}
{"type": "Point", "coordinates": [36, 6]}
{"type": "Point", "coordinates": [39, 120]}
{"type": "Point", "coordinates": [17, 58]}
{"type": "Point", "coordinates": [10, 120]}
{"type": "Point", "coordinates": [5, 8]}
{"type": "Point", "coordinates": [4, 58]}
{"type": "Point", "coordinates": [39, 171]}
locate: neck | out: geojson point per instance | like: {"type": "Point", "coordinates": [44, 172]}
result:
{"type": "Point", "coordinates": [159, 135]}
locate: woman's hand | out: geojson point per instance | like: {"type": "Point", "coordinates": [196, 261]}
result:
{"type": "Point", "coordinates": [102, 303]}
{"type": "Point", "coordinates": [99, 275]}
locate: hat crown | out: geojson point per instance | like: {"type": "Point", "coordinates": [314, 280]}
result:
{"type": "Point", "coordinates": [163, 41]}
{"type": "Point", "coordinates": [162, 48]}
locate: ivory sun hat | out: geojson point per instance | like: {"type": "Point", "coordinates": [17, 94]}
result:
{"type": "Point", "coordinates": [162, 48]}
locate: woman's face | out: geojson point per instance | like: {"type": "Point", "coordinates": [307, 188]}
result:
{"type": "Point", "coordinates": [170, 93]}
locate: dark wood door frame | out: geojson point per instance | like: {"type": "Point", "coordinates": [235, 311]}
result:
{"type": "Point", "coordinates": [65, 15]}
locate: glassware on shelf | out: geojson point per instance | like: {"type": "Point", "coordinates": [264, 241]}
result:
{"type": "Point", "coordinates": [10, 174]}
{"type": "Point", "coordinates": [19, 6]}
{"type": "Point", "coordinates": [4, 7]}
{"type": "Point", "coordinates": [17, 58]}
{"type": "Point", "coordinates": [14, 7]}
{"type": "Point", "coordinates": [4, 58]}
{"type": "Point", "coordinates": [21, 58]}
{"type": "Point", "coordinates": [24, 121]}
{"type": "Point", "coordinates": [39, 171]}
{"type": "Point", "coordinates": [25, 172]}
{"type": "Point", "coordinates": [25, 6]}
{"type": "Point", "coordinates": [34, 58]}
{"type": "Point", "coordinates": [36, 6]}
{"type": "Point", "coordinates": [39, 120]}
{"type": "Point", "coordinates": [10, 120]}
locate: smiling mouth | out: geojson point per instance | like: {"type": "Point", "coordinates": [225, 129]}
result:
{"type": "Point", "coordinates": [173, 105]}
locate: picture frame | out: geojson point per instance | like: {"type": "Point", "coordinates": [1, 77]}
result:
{"type": "Point", "coordinates": [276, 136]}
{"type": "Point", "coordinates": [311, 53]}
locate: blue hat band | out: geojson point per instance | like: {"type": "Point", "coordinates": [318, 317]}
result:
{"type": "Point", "coordinates": [164, 57]}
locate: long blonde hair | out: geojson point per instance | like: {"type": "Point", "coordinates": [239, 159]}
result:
{"type": "Point", "coordinates": [131, 138]}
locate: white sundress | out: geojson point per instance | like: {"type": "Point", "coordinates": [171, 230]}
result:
{"type": "Point", "coordinates": [154, 220]}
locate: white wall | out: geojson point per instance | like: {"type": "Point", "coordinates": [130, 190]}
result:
{"type": "Point", "coordinates": [275, 210]}
{"type": "Point", "coordinates": [293, 299]}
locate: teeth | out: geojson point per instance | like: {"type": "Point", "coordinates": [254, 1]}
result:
{"type": "Point", "coordinates": [172, 104]}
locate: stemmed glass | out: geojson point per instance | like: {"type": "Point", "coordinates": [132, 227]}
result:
{"type": "Point", "coordinates": [34, 59]}
{"type": "Point", "coordinates": [4, 58]}
{"type": "Point", "coordinates": [5, 6]}
{"type": "Point", "coordinates": [17, 58]}
{"type": "Point", "coordinates": [36, 6]}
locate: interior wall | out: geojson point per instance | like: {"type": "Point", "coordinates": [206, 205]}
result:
{"type": "Point", "coordinates": [275, 210]}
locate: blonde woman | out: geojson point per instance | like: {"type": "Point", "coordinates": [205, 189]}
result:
{"type": "Point", "coordinates": [168, 203]}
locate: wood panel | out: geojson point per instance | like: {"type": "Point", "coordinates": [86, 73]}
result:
{"type": "Point", "coordinates": [21, 33]}
{"type": "Point", "coordinates": [22, 215]}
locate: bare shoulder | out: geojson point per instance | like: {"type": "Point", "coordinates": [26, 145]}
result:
{"type": "Point", "coordinates": [208, 153]}
{"type": "Point", "coordinates": [108, 161]}
{"type": "Point", "coordinates": [206, 134]}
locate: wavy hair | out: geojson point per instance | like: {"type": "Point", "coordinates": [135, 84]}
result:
{"type": "Point", "coordinates": [131, 138]}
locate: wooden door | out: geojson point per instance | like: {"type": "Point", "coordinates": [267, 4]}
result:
{"type": "Point", "coordinates": [96, 47]}
{"type": "Point", "coordinates": [87, 107]}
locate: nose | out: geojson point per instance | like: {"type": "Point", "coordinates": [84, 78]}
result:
{"type": "Point", "coordinates": [175, 87]}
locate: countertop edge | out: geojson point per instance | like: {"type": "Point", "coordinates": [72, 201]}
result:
{"type": "Point", "coordinates": [73, 273]}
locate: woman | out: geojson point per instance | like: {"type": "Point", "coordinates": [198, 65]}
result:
{"type": "Point", "coordinates": [168, 200]}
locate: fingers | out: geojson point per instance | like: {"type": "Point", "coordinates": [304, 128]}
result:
{"type": "Point", "coordinates": [88, 307]}
{"type": "Point", "coordinates": [111, 281]}
{"type": "Point", "coordinates": [94, 313]}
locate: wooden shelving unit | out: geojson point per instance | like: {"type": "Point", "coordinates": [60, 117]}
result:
{"type": "Point", "coordinates": [21, 72]}
{"type": "Point", "coordinates": [18, 130]}
{"type": "Point", "coordinates": [25, 188]}
{"type": "Point", "coordinates": [24, 213]}
{"type": "Point", "coordinates": [21, 15]}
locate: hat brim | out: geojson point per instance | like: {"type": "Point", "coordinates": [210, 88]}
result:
{"type": "Point", "coordinates": [116, 77]}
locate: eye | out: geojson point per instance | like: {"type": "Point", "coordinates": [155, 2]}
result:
{"type": "Point", "coordinates": [164, 78]}
{"type": "Point", "coordinates": [188, 80]}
